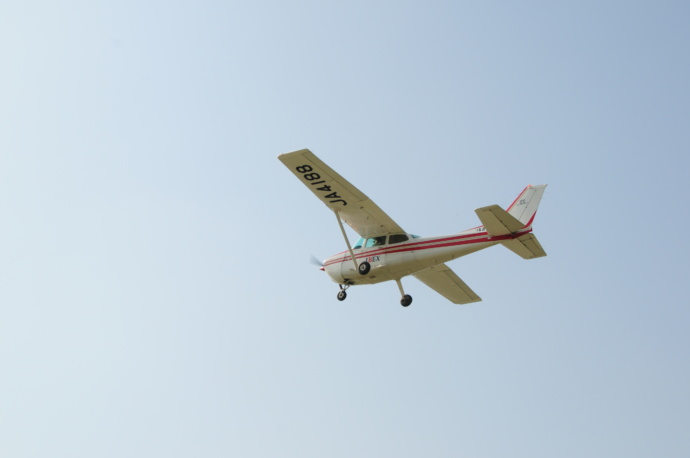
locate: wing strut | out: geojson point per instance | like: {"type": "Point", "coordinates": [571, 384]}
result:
{"type": "Point", "coordinates": [342, 229]}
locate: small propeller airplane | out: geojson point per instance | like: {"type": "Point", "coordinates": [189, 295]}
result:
{"type": "Point", "coordinates": [386, 252]}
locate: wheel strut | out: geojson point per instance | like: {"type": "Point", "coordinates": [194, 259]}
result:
{"type": "Point", "coordinates": [406, 299]}
{"type": "Point", "coordinates": [342, 294]}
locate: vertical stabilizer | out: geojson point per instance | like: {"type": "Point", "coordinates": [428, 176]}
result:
{"type": "Point", "coordinates": [525, 206]}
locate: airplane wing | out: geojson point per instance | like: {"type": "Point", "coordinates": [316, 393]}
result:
{"type": "Point", "coordinates": [444, 281]}
{"type": "Point", "coordinates": [353, 207]}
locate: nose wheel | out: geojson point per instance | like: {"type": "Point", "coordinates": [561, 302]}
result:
{"type": "Point", "coordinates": [342, 294]}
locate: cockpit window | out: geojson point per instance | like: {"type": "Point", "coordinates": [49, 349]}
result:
{"type": "Point", "coordinates": [358, 243]}
{"type": "Point", "coordinates": [376, 241]}
{"type": "Point", "coordinates": [397, 238]}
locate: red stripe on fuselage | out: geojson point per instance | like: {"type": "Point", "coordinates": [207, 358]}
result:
{"type": "Point", "coordinates": [406, 246]}
{"type": "Point", "coordinates": [443, 242]}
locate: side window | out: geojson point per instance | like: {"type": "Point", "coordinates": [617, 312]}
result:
{"type": "Point", "coordinates": [358, 243]}
{"type": "Point", "coordinates": [397, 238]}
{"type": "Point", "coordinates": [376, 241]}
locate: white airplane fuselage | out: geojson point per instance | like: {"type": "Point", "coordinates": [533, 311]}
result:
{"type": "Point", "coordinates": [394, 261]}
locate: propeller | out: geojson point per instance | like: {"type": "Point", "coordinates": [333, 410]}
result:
{"type": "Point", "coordinates": [316, 262]}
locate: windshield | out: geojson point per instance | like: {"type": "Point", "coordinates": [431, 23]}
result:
{"type": "Point", "coordinates": [358, 243]}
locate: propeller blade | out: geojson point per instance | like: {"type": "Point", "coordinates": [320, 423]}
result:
{"type": "Point", "coordinates": [316, 262]}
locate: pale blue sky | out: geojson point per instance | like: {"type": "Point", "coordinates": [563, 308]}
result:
{"type": "Point", "coordinates": [156, 296]}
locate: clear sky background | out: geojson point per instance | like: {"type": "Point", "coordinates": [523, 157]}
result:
{"type": "Point", "coordinates": [156, 295]}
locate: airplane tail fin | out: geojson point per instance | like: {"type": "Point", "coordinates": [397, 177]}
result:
{"type": "Point", "coordinates": [525, 206]}
{"type": "Point", "coordinates": [514, 226]}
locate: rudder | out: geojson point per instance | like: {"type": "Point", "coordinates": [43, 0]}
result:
{"type": "Point", "coordinates": [525, 206]}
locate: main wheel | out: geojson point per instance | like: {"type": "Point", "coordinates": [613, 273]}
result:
{"type": "Point", "coordinates": [364, 268]}
{"type": "Point", "coordinates": [406, 300]}
{"type": "Point", "coordinates": [342, 295]}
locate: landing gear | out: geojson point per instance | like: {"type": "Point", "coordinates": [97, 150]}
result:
{"type": "Point", "coordinates": [342, 294]}
{"type": "Point", "coordinates": [406, 298]}
{"type": "Point", "coordinates": [364, 268]}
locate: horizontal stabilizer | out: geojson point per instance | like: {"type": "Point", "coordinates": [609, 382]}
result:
{"type": "Point", "coordinates": [526, 246]}
{"type": "Point", "coordinates": [497, 221]}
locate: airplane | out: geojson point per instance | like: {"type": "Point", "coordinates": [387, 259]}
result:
{"type": "Point", "coordinates": [386, 252]}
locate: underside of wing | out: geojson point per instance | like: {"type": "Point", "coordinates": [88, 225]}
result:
{"type": "Point", "coordinates": [352, 205]}
{"type": "Point", "coordinates": [444, 281]}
